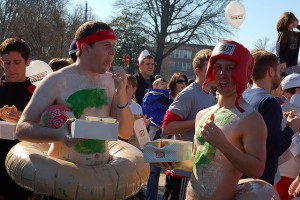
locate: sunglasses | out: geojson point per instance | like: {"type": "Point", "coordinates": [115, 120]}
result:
{"type": "Point", "coordinates": [181, 81]}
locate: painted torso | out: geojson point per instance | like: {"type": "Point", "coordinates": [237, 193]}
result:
{"type": "Point", "coordinates": [85, 97]}
{"type": "Point", "coordinates": [213, 174]}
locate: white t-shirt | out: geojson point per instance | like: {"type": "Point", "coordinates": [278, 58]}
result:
{"type": "Point", "coordinates": [135, 108]}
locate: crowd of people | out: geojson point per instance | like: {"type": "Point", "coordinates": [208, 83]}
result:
{"type": "Point", "coordinates": [229, 111]}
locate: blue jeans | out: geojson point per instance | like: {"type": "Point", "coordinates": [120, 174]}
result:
{"type": "Point", "coordinates": [152, 184]}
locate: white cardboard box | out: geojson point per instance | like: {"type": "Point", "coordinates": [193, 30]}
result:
{"type": "Point", "coordinates": [167, 150]}
{"type": "Point", "coordinates": [7, 130]}
{"type": "Point", "coordinates": [94, 130]}
{"type": "Point", "coordinates": [140, 134]}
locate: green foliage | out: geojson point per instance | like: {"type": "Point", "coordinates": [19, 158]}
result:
{"type": "Point", "coordinates": [131, 39]}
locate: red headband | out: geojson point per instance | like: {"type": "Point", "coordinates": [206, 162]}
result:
{"type": "Point", "coordinates": [96, 37]}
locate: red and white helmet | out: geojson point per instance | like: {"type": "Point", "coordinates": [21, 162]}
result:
{"type": "Point", "coordinates": [241, 74]}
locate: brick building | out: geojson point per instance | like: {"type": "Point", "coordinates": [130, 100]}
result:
{"type": "Point", "coordinates": [180, 60]}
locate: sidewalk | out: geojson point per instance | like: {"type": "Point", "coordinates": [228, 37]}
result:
{"type": "Point", "coordinates": [161, 186]}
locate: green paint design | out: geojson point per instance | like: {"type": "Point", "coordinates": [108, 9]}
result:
{"type": "Point", "coordinates": [88, 98]}
{"type": "Point", "coordinates": [91, 147]}
{"type": "Point", "coordinates": [222, 118]}
{"type": "Point", "coordinates": [77, 102]}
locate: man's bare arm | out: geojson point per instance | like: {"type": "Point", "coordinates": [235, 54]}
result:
{"type": "Point", "coordinates": [120, 109]}
{"type": "Point", "coordinates": [28, 127]}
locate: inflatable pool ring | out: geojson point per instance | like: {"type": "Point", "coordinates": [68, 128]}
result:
{"type": "Point", "coordinates": [122, 177]}
{"type": "Point", "coordinates": [250, 189]}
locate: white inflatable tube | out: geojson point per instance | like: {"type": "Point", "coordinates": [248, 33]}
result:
{"type": "Point", "coordinates": [255, 189]}
{"type": "Point", "coordinates": [125, 174]}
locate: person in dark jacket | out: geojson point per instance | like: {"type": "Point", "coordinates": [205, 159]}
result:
{"type": "Point", "coordinates": [288, 41]}
{"type": "Point", "coordinates": [266, 77]}
{"type": "Point", "coordinates": [15, 89]}
{"type": "Point", "coordinates": [144, 78]}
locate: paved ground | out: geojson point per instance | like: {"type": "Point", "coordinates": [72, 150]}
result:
{"type": "Point", "coordinates": [161, 187]}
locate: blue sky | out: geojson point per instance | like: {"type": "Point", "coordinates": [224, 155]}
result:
{"type": "Point", "coordinates": [260, 22]}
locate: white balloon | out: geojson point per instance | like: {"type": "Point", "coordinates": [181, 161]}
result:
{"type": "Point", "coordinates": [37, 70]}
{"type": "Point", "coordinates": [235, 14]}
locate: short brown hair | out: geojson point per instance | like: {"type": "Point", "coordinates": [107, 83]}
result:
{"type": "Point", "coordinates": [58, 63]}
{"type": "Point", "coordinates": [15, 44]}
{"type": "Point", "coordinates": [89, 28]}
{"type": "Point", "coordinates": [147, 57]}
{"type": "Point", "coordinates": [263, 60]}
{"type": "Point", "coordinates": [173, 80]}
{"type": "Point", "coordinates": [200, 58]}
{"type": "Point", "coordinates": [132, 80]}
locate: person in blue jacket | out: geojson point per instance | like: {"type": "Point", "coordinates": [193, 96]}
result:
{"type": "Point", "coordinates": [155, 104]}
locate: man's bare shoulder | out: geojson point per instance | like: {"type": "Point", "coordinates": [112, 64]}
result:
{"type": "Point", "coordinates": [253, 121]}
{"type": "Point", "coordinates": [203, 112]}
{"type": "Point", "coordinates": [57, 76]}
{"type": "Point", "coordinates": [253, 117]}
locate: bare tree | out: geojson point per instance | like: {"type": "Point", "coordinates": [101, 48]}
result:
{"type": "Point", "coordinates": [266, 44]}
{"type": "Point", "coordinates": [41, 24]}
{"type": "Point", "coordinates": [8, 14]}
{"type": "Point", "coordinates": [47, 25]}
{"type": "Point", "coordinates": [171, 23]}
{"type": "Point", "coordinates": [76, 18]}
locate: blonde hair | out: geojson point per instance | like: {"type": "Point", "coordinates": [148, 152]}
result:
{"type": "Point", "coordinates": [157, 81]}
{"type": "Point", "coordinates": [200, 58]}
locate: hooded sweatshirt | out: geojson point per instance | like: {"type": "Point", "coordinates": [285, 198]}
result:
{"type": "Point", "coordinates": [278, 140]}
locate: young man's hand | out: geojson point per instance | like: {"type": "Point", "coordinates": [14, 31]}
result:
{"type": "Point", "coordinates": [294, 189]}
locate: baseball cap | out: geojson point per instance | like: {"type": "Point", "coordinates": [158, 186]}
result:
{"type": "Point", "coordinates": [143, 55]}
{"type": "Point", "coordinates": [291, 81]}
{"type": "Point", "coordinates": [72, 50]}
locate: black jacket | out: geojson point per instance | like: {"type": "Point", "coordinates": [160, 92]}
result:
{"type": "Point", "coordinates": [17, 94]}
{"type": "Point", "coordinates": [142, 86]}
{"type": "Point", "coordinates": [287, 47]}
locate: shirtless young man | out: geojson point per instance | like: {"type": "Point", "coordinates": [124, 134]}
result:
{"type": "Point", "coordinates": [87, 88]}
{"type": "Point", "coordinates": [230, 136]}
